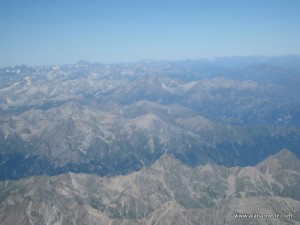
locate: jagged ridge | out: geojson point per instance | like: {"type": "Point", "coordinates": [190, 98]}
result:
{"type": "Point", "coordinates": [167, 192]}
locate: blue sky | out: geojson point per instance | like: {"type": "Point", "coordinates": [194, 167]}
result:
{"type": "Point", "coordinates": [41, 32]}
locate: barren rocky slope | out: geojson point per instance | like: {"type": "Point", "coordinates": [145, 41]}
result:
{"type": "Point", "coordinates": [115, 119]}
{"type": "Point", "coordinates": [167, 192]}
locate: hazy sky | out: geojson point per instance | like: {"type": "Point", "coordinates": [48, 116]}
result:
{"type": "Point", "coordinates": [59, 31]}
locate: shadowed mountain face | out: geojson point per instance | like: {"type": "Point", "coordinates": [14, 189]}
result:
{"type": "Point", "coordinates": [118, 118]}
{"type": "Point", "coordinates": [167, 192]}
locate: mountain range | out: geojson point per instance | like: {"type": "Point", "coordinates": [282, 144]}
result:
{"type": "Point", "coordinates": [208, 141]}
{"type": "Point", "coordinates": [112, 119]}
{"type": "Point", "coordinates": [167, 192]}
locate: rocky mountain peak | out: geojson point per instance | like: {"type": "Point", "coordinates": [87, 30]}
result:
{"type": "Point", "coordinates": [284, 159]}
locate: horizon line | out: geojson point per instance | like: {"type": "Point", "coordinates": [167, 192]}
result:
{"type": "Point", "coordinates": [149, 60]}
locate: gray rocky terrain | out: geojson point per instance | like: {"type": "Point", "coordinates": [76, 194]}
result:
{"type": "Point", "coordinates": [167, 192]}
{"type": "Point", "coordinates": [151, 142]}
{"type": "Point", "coordinates": [117, 118]}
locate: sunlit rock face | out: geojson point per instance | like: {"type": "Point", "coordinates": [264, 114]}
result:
{"type": "Point", "coordinates": [167, 192]}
